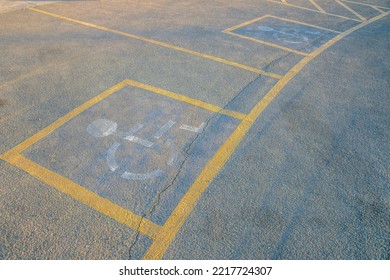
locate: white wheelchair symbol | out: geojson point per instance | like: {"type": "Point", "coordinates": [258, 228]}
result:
{"type": "Point", "coordinates": [287, 35]}
{"type": "Point", "coordinates": [104, 127]}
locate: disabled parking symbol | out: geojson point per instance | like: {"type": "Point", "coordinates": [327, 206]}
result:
{"type": "Point", "coordinates": [133, 147]}
{"type": "Point", "coordinates": [105, 127]}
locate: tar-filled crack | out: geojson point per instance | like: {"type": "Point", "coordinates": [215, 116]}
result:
{"type": "Point", "coordinates": [187, 152]}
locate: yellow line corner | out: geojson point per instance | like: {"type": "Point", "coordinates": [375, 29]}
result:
{"type": "Point", "coordinates": [87, 197]}
{"type": "Point", "coordinates": [185, 206]}
{"type": "Point", "coordinates": [162, 44]}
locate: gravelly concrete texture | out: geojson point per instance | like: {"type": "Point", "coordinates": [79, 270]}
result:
{"type": "Point", "coordinates": [250, 129]}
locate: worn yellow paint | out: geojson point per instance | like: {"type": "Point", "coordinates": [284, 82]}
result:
{"type": "Point", "coordinates": [313, 10]}
{"type": "Point", "coordinates": [366, 4]}
{"type": "Point", "coordinates": [162, 44]}
{"type": "Point", "coordinates": [212, 168]}
{"type": "Point", "coordinates": [231, 29]}
{"type": "Point", "coordinates": [87, 197]}
{"type": "Point", "coordinates": [303, 23]}
{"type": "Point", "coordinates": [351, 10]}
{"type": "Point", "coordinates": [267, 43]}
{"type": "Point", "coordinates": [9, 155]}
{"type": "Point", "coordinates": [245, 23]}
{"type": "Point", "coordinates": [377, 9]}
{"type": "Point", "coordinates": [80, 193]}
{"type": "Point", "coordinates": [186, 99]}
{"type": "Point", "coordinates": [317, 6]}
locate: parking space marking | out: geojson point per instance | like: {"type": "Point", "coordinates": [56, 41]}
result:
{"type": "Point", "coordinates": [241, 25]}
{"type": "Point", "coordinates": [351, 10]}
{"type": "Point", "coordinates": [313, 10]}
{"type": "Point", "coordinates": [162, 235]}
{"type": "Point", "coordinates": [266, 43]}
{"type": "Point", "coordinates": [186, 205]}
{"type": "Point", "coordinates": [11, 154]}
{"type": "Point", "coordinates": [369, 5]}
{"type": "Point", "coordinates": [317, 6]}
{"type": "Point", "coordinates": [87, 197]}
{"type": "Point", "coordinates": [162, 44]}
{"type": "Point", "coordinates": [103, 128]}
{"type": "Point", "coordinates": [378, 9]}
{"type": "Point", "coordinates": [284, 19]}
{"type": "Point", "coordinates": [186, 99]}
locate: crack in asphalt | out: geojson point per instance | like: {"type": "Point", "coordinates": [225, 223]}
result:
{"type": "Point", "coordinates": [158, 196]}
{"type": "Point", "coordinates": [188, 150]}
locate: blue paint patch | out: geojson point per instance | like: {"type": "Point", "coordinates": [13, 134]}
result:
{"type": "Point", "coordinates": [291, 35]}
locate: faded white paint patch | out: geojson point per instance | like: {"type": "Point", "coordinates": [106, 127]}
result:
{"type": "Point", "coordinates": [102, 128]}
{"type": "Point", "coordinates": [111, 156]}
{"type": "Point", "coordinates": [164, 129]}
{"type": "Point", "coordinates": [142, 176]}
{"type": "Point", "coordinates": [132, 131]}
{"type": "Point", "coordinates": [193, 128]}
{"type": "Point", "coordinates": [139, 141]}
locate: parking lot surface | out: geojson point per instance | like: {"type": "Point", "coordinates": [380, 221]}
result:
{"type": "Point", "coordinates": [251, 129]}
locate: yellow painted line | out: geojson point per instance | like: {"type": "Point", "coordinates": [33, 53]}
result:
{"type": "Point", "coordinates": [351, 10]}
{"type": "Point", "coordinates": [317, 6]}
{"type": "Point", "coordinates": [80, 193]}
{"type": "Point", "coordinates": [267, 43]}
{"type": "Point", "coordinates": [185, 99]}
{"type": "Point", "coordinates": [365, 4]}
{"type": "Point", "coordinates": [213, 167]}
{"type": "Point", "coordinates": [11, 154]}
{"type": "Point", "coordinates": [231, 29]}
{"type": "Point", "coordinates": [316, 11]}
{"type": "Point", "coordinates": [303, 23]}
{"type": "Point", "coordinates": [281, 18]}
{"type": "Point", "coordinates": [378, 9]}
{"type": "Point", "coordinates": [244, 23]}
{"type": "Point", "coordinates": [284, 1]}
{"type": "Point", "coordinates": [162, 44]}
{"type": "Point", "coordinates": [87, 197]}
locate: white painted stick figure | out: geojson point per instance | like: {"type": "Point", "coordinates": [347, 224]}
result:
{"type": "Point", "coordinates": [104, 127]}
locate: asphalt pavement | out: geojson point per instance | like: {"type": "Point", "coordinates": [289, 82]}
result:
{"type": "Point", "coordinates": [252, 129]}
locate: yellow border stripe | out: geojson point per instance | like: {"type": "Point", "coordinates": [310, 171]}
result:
{"type": "Point", "coordinates": [304, 23]}
{"type": "Point", "coordinates": [377, 9]}
{"type": "Point", "coordinates": [351, 10]}
{"type": "Point", "coordinates": [365, 4]}
{"type": "Point", "coordinates": [231, 29]}
{"type": "Point", "coordinates": [317, 6]}
{"type": "Point", "coordinates": [313, 10]}
{"type": "Point", "coordinates": [9, 155]}
{"type": "Point", "coordinates": [245, 23]}
{"type": "Point", "coordinates": [186, 205]}
{"type": "Point", "coordinates": [162, 44]}
{"type": "Point", "coordinates": [281, 18]}
{"type": "Point", "coordinates": [87, 197]}
{"type": "Point", "coordinates": [186, 99]}
{"type": "Point", "coordinates": [80, 193]}
{"type": "Point", "coordinates": [266, 43]}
